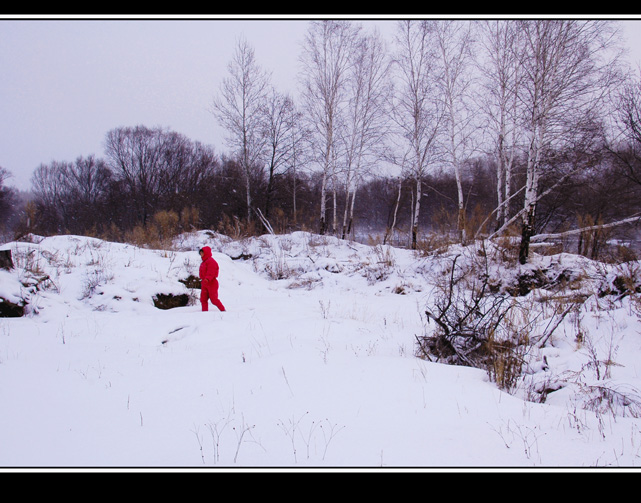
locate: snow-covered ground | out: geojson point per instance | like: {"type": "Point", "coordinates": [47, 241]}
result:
{"type": "Point", "coordinates": [312, 365]}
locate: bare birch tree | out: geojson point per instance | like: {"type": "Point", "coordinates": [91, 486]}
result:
{"type": "Point", "coordinates": [367, 116]}
{"type": "Point", "coordinates": [454, 40]}
{"type": "Point", "coordinates": [325, 63]}
{"type": "Point", "coordinates": [566, 72]}
{"type": "Point", "coordinates": [500, 86]}
{"type": "Point", "coordinates": [416, 111]}
{"type": "Point", "coordinates": [238, 110]}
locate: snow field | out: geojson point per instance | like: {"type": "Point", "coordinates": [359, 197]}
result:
{"type": "Point", "coordinates": [315, 369]}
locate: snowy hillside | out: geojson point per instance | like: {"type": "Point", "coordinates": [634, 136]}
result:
{"type": "Point", "coordinates": [313, 365]}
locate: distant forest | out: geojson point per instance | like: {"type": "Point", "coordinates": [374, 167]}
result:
{"type": "Point", "coordinates": [453, 131]}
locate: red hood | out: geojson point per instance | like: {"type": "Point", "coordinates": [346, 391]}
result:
{"type": "Point", "coordinates": [206, 252]}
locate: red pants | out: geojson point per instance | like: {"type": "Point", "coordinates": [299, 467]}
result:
{"type": "Point", "coordinates": [209, 290]}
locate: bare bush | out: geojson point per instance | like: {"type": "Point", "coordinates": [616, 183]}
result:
{"type": "Point", "coordinates": [472, 327]}
{"type": "Point", "coordinates": [481, 326]}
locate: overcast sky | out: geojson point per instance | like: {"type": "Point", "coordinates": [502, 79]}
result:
{"type": "Point", "coordinates": [65, 83]}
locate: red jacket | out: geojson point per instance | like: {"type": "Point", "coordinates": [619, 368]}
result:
{"type": "Point", "coordinates": [208, 267]}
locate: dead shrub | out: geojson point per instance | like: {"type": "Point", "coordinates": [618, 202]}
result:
{"type": "Point", "coordinates": [592, 242]}
{"type": "Point", "coordinates": [478, 326]}
{"type": "Point", "coordinates": [468, 319]}
{"type": "Point", "coordinates": [189, 218]}
{"type": "Point", "coordinates": [160, 232]}
{"type": "Point", "coordinates": [237, 229]}
{"type": "Point", "coordinates": [434, 243]}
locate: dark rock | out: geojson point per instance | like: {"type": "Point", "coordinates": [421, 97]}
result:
{"type": "Point", "coordinates": [10, 310]}
{"type": "Point", "coordinates": [170, 301]}
{"type": "Point", "coordinates": [5, 259]}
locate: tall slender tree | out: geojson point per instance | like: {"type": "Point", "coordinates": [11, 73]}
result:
{"type": "Point", "coordinates": [567, 71]}
{"type": "Point", "coordinates": [367, 114]}
{"type": "Point", "coordinates": [326, 58]}
{"type": "Point", "coordinates": [501, 76]}
{"type": "Point", "coordinates": [239, 111]}
{"type": "Point", "coordinates": [454, 47]}
{"type": "Point", "coordinates": [417, 112]}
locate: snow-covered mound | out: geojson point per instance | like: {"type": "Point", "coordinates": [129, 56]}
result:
{"type": "Point", "coordinates": [313, 364]}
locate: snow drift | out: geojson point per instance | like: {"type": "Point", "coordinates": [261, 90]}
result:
{"type": "Point", "coordinates": [313, 365]}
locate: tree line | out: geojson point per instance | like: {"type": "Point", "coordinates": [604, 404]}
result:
{"type": "Point", "coordinates": [468, 128]}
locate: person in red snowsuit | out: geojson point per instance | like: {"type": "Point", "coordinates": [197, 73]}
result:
{"type": "Point", "coordinates": [209, 280]}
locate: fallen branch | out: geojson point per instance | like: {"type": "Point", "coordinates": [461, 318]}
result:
{"type": "Point", "coordinates": [549, 331]}
{"type": "Point", "coordinates": [541, 237]}
{"type": "Point", "coordinates": [264, 221]}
